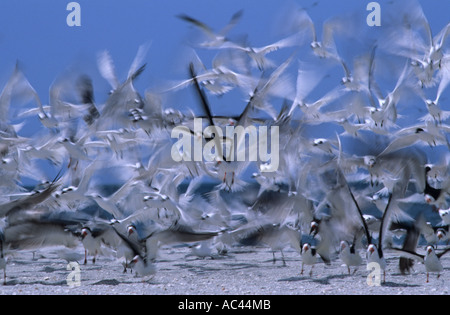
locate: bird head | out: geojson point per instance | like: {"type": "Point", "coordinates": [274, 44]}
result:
{"type": "Point", "coordinates": [85, 232]}
{"type": "Point", "coordinates": [314, 228]}
{"type": "Point", "coordinates": [370, 161]}
{"type": "Point", "coordinates": [344, 245]}
{"type": "Point", "coordinates": [429, 199]}
{"type": "Point", "coordinates": [306, 247]}
{"type": "Point", "coordinates": [131, 229]}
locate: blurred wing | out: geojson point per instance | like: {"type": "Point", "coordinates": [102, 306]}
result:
{"type": "Point", "coordinates": [106, 68]}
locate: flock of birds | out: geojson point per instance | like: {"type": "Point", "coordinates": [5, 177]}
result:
{"type": "Point", "coordinates": [369, 187]}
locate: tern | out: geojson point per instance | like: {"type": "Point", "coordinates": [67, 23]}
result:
{"type": "Point", "coordinates": [445, 216]}
{"type": "Point", "coordinates": [431, 259]}
{"type": "Point", "coordinates": [216, 40]}
{"type": "Point", "coordinates": [309, 257]}
{"type": "Point", "coordinates": [350, 256]}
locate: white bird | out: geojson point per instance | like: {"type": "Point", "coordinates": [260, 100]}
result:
{"type": "Point", "coordinates": [92, 245]}
{"type": "Point", "coordinates": [376, 256]}
{"type": "Point", "coordinates": [412, 135]}
{"type": "Point", "coordinates": [218, 80]}
{"type": "Point", "coordinates": [111, 203]}
{"type": "Point", "coordinates": [373, 223]}
{"type": "Point", "coordinates": [258, 54]}
{"type": "Point", "coordinates": [215, 39]}
{"type": "Point", "coordinates": [442, 234]}
{"type": "Point", "coordinates": [435, 112]}
{"type": "Point", "coordinates": [349, 256]}
{"type": "Point", "coordinates": [426, 52]}
{"type": "Point", "coordinates": [385, 113]}
{"type": "Point", "coordinates": [202, 250]}
{"type": "Point", "coordinates": [124, 98]}
{"type": "Point", "coordinates": [327, 47]}
{"type": "Point", "coordinates": [445, 216]}
{"type": "Point", "coordinates": [143, 267]}
{"type": "Point", "coordinates": [309, 257]}
{"type": "Point", "coordinates": [276, 236]}
{"type": "Point", "coordinates": [438, 171]}
{"type": "Point", "coordinates": [431, 259]}
{"type": "Point", "coordinates": [141, 262]}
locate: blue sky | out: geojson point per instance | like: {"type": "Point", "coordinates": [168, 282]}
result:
{"type": "Point", "coordinates": [35, 33]}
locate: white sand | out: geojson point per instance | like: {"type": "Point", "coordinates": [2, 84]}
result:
{"type": "Point", "coordinates": [246, 270]}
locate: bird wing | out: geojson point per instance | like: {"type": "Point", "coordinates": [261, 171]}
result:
{"type": "Point", "coordinates": [400, 143]}
{"type": "Point", "coordinates": [439, 255]}
{"type": "Point", "coordinates": [409, 254]}
{"type": "Point", "coordinates": [205, 28]}
{"type": "Point", "coordinates": [233, 21]}
{"type": "Point", "coordinates": [9, 208]}
{"type": "Point", "coordinates": [141, 53]}
{"type": "Point", "coordinates": [107, 69]}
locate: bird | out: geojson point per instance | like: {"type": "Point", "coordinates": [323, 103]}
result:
{"type": "Point", "coordinates": [445, 216]}
{"type": "Point", "coordinates": [309, 257]}
{"type": "Point", "coordinates": [215, 39]}
{"type": "Point", "coordinates": [431, 259]}
{"type": "Point", "coordinates": [359, 138]}
{"type": "Point", "coordinates": [374, 252]}
{"type": "Point", "coordinates": [276, 236]}
{"type": "Point", "coordinates": [258, 54]}
{"type": "Point", "coordinates": [175, 234]}
{"type": "Point", "coordinates": [437, 196]}
{"type": "Point", "coordinates": [143, 265]}
{"type": "Point", "coordinates": [349, 256]}
{"type": "Point", "coordinates": [374, 255]}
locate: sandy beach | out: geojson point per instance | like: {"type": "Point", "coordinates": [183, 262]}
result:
{"type": "Point", "coordinates": [244, 271]}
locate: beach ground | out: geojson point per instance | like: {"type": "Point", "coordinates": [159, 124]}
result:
{"type": "Point", "coordinates": [243, 271]}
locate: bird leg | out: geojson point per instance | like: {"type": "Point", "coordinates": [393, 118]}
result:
{"type": "Point", "coordinates": [311, 272]}
{"type": "Point", "coordinates": [282, 257]}
{"type": "Point", "coordinates": [85, 256]}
